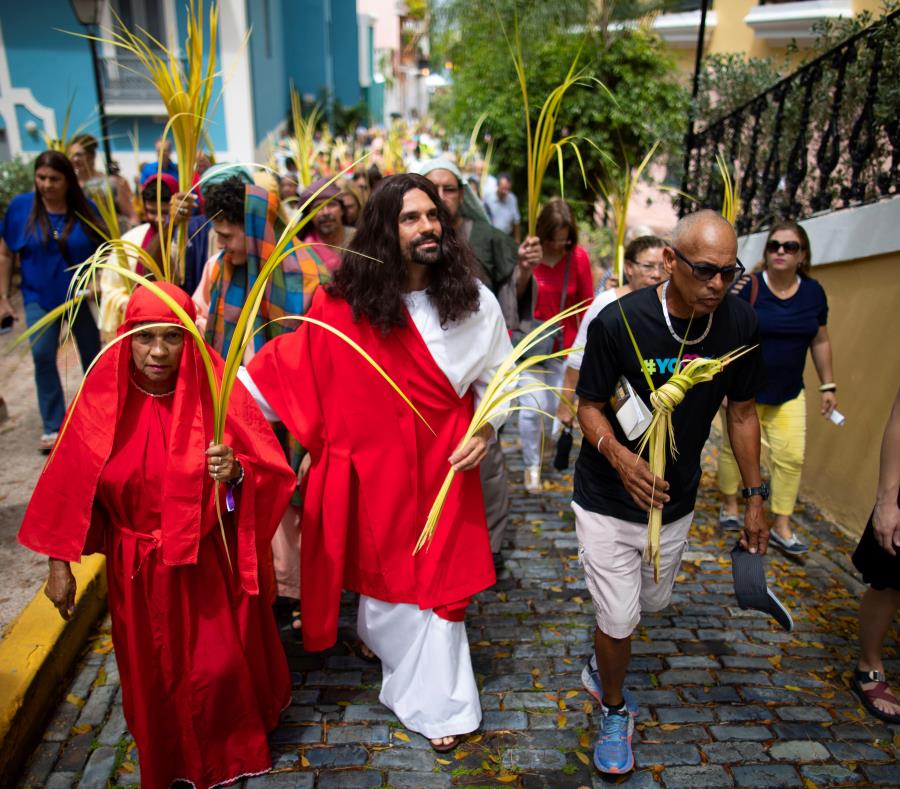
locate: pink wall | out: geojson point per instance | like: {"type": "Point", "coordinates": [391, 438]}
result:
{"type": "Point", "coordinates": [387, 29]}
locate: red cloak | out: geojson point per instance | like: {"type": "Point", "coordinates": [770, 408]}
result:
{"type": "Point", "coordinates": [376, 469]}
{"type": "Point", "coordinates": [203, 673]}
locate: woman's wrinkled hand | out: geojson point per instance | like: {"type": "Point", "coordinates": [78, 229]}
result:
{"type": "Point", "coordinates": [221, 463]}
{"type": "Point", "coordinates": [60, 588]}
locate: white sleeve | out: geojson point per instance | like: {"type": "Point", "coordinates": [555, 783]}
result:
{"type": "Point", "coordinates": [497, 347]}
{"type": "Point", "coordinates": [244, 377]}
{"type": "Point", "coordinates": [575, 359]}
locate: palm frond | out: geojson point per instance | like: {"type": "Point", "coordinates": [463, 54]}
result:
{"type": "Point", "coordinates": [503, 389]}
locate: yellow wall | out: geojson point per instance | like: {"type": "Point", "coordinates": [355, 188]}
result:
{"type": "Point", "coordinates": [732, 35]}
{"type": "Point", "coordinates": [841, 468]}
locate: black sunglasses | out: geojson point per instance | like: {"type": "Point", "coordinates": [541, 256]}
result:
{"type": "Point", "coordinates": [707, 271]}
{"type": "Point", "coordinates": [791, 247]}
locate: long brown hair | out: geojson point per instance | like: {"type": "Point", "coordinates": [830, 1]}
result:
{"type": "Point", "coordinates": [77, 205]}
{"type": "Point", "coordinates": [806, 264]}
{"type": "Point", "coordinates": [371, 277]}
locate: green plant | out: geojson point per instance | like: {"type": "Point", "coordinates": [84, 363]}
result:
{"type": "Point", "coordinates": [646, 101]}
{"type": "Point", "coordinates": [16, 176]}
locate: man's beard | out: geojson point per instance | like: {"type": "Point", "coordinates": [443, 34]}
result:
{"type": "Point", "coordinates": [325, 225]}
{"type": "Point", "coordinates": [426, 257]}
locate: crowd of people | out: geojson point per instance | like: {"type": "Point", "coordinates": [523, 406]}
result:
{"type": "Point", "coordinates": [325, 476]}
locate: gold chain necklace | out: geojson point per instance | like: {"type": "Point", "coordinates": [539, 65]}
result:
{"type": "Point", "coordinates": [150, 394]}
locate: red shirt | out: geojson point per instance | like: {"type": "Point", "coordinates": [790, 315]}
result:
{"type": "Point", "coordinates": [550, 283]}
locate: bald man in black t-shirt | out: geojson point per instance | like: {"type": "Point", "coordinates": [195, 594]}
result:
{"type": "Point", "coordinates": [686, 317]}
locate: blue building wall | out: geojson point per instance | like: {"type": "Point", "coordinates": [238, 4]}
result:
{"type": "Point", "coordinates": [305, 45]}
{"type": "Point", "coordinates": [345, 49]}
{"type": "Point", "coordinates": [309, 42]}
{"type": "Point", "coordinates": [57, 68]}
{"type": "Point", "coordinates": [268, 64]}
{"type": "Point", "coordinates": [318, 33]}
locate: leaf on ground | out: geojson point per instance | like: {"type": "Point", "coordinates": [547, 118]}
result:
{"type": "Point", "coordinates": [584, 741]}
{"type": "Point", "coordinates": [503, 597]}
{"type": "Point", "coordinates": [476, 739]}
{"type": "Point", "coordinates": [104, 646]}
{"type": "Point", "coordinates": [507, 779]}
{"type": "Point", "coordinates": [459, 755]}
{"type": "Point", "coordinates": [535, 672]}
{"type": "Point", "coordinates": [561, 704]}
{"type": "Point", "coordinates": [567, 661]}
{"type": "Point", "coordinates": [539, 685]}
{"type": "Point", "coordinates": [555, 588]}
{"type": "Point", "coordinates": [76, 700]}
{"type": "Point", "coordinates": [550, 697]}
{"type": "Point", "coordinates": [402, 736]}
{"type": "Point", "coordinates": [588, 708]}
{"type": "Point", "coordinates": [502, 655]}
{"type": "Point", "coordinates": [81, 728]}
{"type": "Point", "coordinates": [582, 757]}
{"type": "Point", "coordinates": [578, 600]}
{"type": "Point", "coordinates": [794, 689]}
{"type": "Point", "coordinates": [561, 721]}
{"type": "Point", "coordinates": [445, 762]}
{"type": "Point", "coordinates": [482, 643]}
{"type": "Point", "coordinates": [101, 676]}
{"type": "Point", "coordinates": [127, 767]}
{"type": "Point", "coordinates": [571, 694]}
{"type": "Point", "coordinates": [670, 726]}
{"type": "Point", "coordinates": [775, 660]}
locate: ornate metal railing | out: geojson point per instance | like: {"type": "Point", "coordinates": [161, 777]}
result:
{"type": "Point", "coordinates": [824, 138]}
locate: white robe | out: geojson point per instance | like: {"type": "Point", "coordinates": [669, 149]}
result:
{"type": "Point", "coordinates": [427, 677]}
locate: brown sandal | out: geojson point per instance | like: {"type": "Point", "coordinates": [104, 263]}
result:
{"type": "Point", "coordinates": [880, 691]}
{"type": "Point", "coordinates": [447, 747]}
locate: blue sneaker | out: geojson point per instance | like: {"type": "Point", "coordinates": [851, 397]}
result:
{"type": "Point", "coordinates": [590, 679]}
{"type": "Point", "coordinates": [612, 751]}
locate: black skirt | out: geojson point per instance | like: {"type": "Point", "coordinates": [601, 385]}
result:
{"type": "Point", "coordinates": [879, 569]}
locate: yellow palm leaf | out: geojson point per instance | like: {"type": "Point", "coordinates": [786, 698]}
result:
{"type": "Point", "coordinates": [503, 389]}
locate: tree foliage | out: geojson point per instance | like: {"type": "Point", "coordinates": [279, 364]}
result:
{"type": "Point", "coordinates": [16, 176]}
{"type": "Point", "coordinates": [648, 101]}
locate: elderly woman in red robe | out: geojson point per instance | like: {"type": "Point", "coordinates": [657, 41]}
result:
{"type": "Point", "coordinates": [204, 676]}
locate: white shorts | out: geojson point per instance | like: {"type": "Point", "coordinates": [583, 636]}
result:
{"type": "Point", "coordinates": [619, 580]}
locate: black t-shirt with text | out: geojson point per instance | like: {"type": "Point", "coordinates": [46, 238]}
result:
{"type": "Point", "coordinates": [610, 354]}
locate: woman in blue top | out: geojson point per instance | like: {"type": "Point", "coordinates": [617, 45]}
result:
{"type": "Point", "coordinates": [44, 228]}
{"type": "Point", "coordinates": [792, 311]}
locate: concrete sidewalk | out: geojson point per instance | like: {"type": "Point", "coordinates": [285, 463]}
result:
{"type": "Point", "coordinates": [727, 698]}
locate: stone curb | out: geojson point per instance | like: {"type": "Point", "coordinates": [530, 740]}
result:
{"type": "Point", "coordinates": [36, 657]}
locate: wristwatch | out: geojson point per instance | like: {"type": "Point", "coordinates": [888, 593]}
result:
{"type": "Point", "coordinates": [762, 490]}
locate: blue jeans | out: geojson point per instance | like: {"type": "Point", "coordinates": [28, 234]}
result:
{"type": "Point", "coordinates": [51, 399]}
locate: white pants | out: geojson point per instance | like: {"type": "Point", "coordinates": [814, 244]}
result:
{"type": "Point", "coordinates": [427, 678]}
{"type": "Point", "coordinates": [531, 423]}
{"type": "Point", "coordinates": [619, 580]}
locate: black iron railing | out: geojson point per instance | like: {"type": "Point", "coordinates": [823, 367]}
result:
{"type": "Point", "coordinates": [125, 80]}
{"type": "Point", "coordinates": [824, 138]}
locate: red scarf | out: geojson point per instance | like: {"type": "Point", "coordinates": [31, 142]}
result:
{"type": "Point", "coordinates": [61, 520]}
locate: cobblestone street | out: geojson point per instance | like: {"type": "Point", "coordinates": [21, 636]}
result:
{"type": "Point", "coordinates": [727, 698]}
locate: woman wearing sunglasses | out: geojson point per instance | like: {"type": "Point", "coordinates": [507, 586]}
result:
{"type": "Point", "coordinates": [792, 311]}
